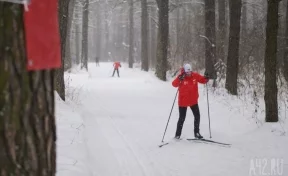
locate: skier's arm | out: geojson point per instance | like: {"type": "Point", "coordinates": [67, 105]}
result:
{"type": "Point", "coordinates": [176, 82]}
{"type": "Point", "coordinates": [200, 79]}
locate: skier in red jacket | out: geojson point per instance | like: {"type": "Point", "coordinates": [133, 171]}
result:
{"type": "Point", "coordinates": [116, 66]}
{"type": "Point", "coordinates": [187, 82]}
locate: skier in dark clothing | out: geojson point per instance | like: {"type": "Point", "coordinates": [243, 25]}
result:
{"type": "Point", "coordinates": [97, 61]}
{"type": "Point", "coordinates": [187, 82]}
{"type": "Point", "coordinates": [116, 68]}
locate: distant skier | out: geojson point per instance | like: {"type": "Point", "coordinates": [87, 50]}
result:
{"type": "Point", "coordinates": [116, 66]}
{"type": "Point", "coordinates": [187, 81]}
{"type": "Point", "coordinates": [97, 61]}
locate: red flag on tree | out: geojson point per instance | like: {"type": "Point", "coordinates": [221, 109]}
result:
{"type": "Point", "coordinates": [42, 35]}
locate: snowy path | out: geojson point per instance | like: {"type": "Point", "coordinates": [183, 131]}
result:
{"type": "Point", "coordinates": [124, 121]}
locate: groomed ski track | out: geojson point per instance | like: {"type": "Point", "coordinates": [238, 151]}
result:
{"type": "Point", "coordinates": [124, 120]}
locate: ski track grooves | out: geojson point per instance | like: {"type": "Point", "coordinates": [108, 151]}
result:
{"type": "Point", "coordinates": [126, 158]}
{"type": "Point", "coordinates": [129, 145]}
{"type": "Point", "coordinates": [144, 170]}
{"type": "Point", "coordinates": [156, 170]}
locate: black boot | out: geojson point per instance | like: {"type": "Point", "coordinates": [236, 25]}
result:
{"type": "Point", "coordinates": [177, 137]}
{"type": "Point", "coordinates": [196, 113]}
{"type": "Point", "coordinates": [198, 135]}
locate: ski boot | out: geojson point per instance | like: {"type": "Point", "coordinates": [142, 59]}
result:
{"type": "Point", "coordinates": [198, 135]}
{"type": "Point", "coordinates": [177, 137]}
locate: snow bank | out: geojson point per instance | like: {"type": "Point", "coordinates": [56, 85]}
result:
{"type": "Point", "coordinates": [71, 148]}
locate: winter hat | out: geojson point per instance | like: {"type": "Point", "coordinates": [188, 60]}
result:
{"type": "Point", "coordinates": [187, 68]}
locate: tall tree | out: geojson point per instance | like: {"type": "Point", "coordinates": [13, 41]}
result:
{"type": "Point", "coordinates": [85, 19]}
{"type": "Point", "coordinates": [244, 18]}
{"type": "Point", "coordinates": [77, 42]}
{"type": "Point", "coordinates": [98, 30]}
{"type": "Point", "coordinates": [281, 36]}
{"type": "Point", "coordinates": [118, 33]}
{"type": "Point", "coordinates": [233, 48]}
{"type": "Point", "coordinates": [63, 22]}
{"type": "Point", "coordinates": [270, 97]}
{"type": "Point", "coordinates": [107, 32]}
{"type": "Point", "coordinates": [144, 36]}
{"type": "Point", "coordinates": [131, 34]}
{"type": "Point", "coordinates": [153, 36]}
{"type": "Point", "coordinates": [221, 29]}
{"type": "Point", "coordinates": [68, 61]}
{"type": "Point", "coordinates": [178, 27]}
{"type": "Point", "coordinates": [285, 68]}
{"type": "Point", "coordinates": [210, 37]}
{"type": "Point", "coordinates": [185, 41]}
{"type": "Point", "coordinates": [27, 120]}
{"type": "Point", "coordinates": [163, 39]}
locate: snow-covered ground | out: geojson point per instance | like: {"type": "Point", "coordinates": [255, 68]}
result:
{"type": "Point", "coordinates": [113, 127]}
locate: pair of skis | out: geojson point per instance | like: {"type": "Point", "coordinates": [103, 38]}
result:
{"type": "Point", "coordinates": [200, 140]}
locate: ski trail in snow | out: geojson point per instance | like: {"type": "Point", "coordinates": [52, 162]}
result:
{"type": "Point", "coordinates": [99, 162]}
{"type": "Point", "coordinates": [130, 160]}
{"type": "Point", "coordinates": [140, 159]}
{"type": "Point", "coordinates": [128, 146]}
{"type": "Point", "coordinates": [128, 157]}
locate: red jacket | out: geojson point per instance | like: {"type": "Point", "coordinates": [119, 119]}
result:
{"type": "Point", "coordinates": [188, 89]}
{"type": "Point", "coordinates": [116, 65]}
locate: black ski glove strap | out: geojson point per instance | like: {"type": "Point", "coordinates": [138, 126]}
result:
{"type": "Point", "coordinates": [181, 77]}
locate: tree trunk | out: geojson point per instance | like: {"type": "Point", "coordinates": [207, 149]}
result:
{"type": "Point", "coordinates": [281, 37]}
{"type": "Point", "coordinates": [222, 29]}
{"type": "Point", "coordinates": [84, 57]}
{"type": "Point", "coordinates": [118, 34]}
{"type": "Point", "coordinates": [153, 32]}
{"type": "Point", "coordinates": [131, 34]}
{"type": "Point", "coordinates": [285, 68]}
{"type": "Point", "coordinates": [163, 37]}
{"type": "Point", "coordinates": [184, 39]}
{"type": "Point", "coordinates": [270, 96]}
{"type": "Point", "coordinates": [77, 34]}
{"type": "Point", "coordinates": [99, 31]}
{"type": "Point", "coordinates": [244, 19]}
{"type": "Point", "coordinates": [68, 61]}
{"type": "Point", "coordinates": [210, 38]}
{"type": "Point", "coordinates": [244, 40]}
{"type": "Point", "coordinates": [233, 49]}
{"type": "Point", "coordinates": [27, 120]}
{"type": "Point", "coordinates": [178, 28]}
{"type": "Point", "coordinates": [77, 43]}
{"type": "Point", "coordinates": [144, 40]}
{"type": "Point", "coordinates": [63, 21]}
{"type": "Point", "coordinates": [107, 33]}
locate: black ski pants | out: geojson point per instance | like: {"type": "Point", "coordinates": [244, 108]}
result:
{"type": "Point", "coordinates": [117, 72]}
{"type": "Point", "coordinates": [182, 117]}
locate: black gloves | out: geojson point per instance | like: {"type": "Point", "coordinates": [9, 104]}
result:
{"type": "Point", "coordinates": [181, 77]}
{"type": "Point", "coordinates": [206, 75]}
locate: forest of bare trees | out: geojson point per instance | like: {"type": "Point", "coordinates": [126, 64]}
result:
{"type": "Point", "coordinates": [244, 48]}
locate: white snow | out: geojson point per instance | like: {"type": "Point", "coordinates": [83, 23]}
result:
{"type": "Point", "coordinates": [116, 126]}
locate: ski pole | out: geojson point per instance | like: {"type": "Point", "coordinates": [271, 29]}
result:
{"type": "Point", "coordinates": [170, 114]}
{"type": "Point", "coordinates": [208, 110]}
{"type": "Point", "coordinates": [110, 70]}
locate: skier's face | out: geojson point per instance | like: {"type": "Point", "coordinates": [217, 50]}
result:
{"type": "Point", "coordinates": [188, 73]}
